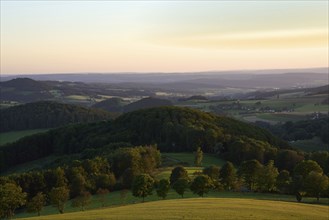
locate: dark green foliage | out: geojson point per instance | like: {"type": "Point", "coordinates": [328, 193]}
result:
{"type": "Point", "coordinates": [301, 130]}
{"type": "Point", "coordinates": [129, 162]}
{"type": "Point", "coordinates": [11, 197]}
{"type": "Point", "coordinates": [316, 184]}
{"type": "Point", "coordinates": [283, 181]}
{"type": "Point", "coordinates": [288, 159]}
{"type": "Point", "coordinates": [105, 181]}
{"type": "Point", "coordinates": [111, 105]}
{"type": "Point", "coordinates": [82, 200]}
{"type": "Point", "coordinates": [228, 176]}
{"type": "Point", "coordinates": [198, 157]}
{"type": "Point", "coordinates": [267, 176]}
{"type": "Point", "coordinates": [142, 186]}
{"type": "Point", "coordinates": [174, 129]}
{"type": "Point", "coordinates": [47, 114]}
{"type": "Point", "coordinates": [322, 158]}
{"type": "Point", "coordinates": [305, 167]}
{"type": "Point", "coordinates": [201, 185]}
{"type": "Point", "coordinates": [55, 178]}
{"type": "Point", "coordinates": [181, 185]}
{"type": "Point", "coordinates": [245, 148]}
{"type": "Point", "coordinates": [36, 203]}
{"type": "Point", "coordinates": [163, 188]}
{"type": "Point", "coordinates": [301, 171]}
{"type": "Point", "coordinates": [149, 102]}
{"type": "Point", "coordinates": [212, 172]}
{"type": "Point", "coordinates": [249, 171]}
{"type": "Point", "coordinates": [178, 173]}
{"type": "Point", "coordinates": [31, 182]}
{"type": "Point", "coordinates": [58, 197]}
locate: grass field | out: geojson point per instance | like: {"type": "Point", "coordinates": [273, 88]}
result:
{"type": "Point", "coordinates": [8, 137]}
{"type": "Point", "coordinates": [204, 208]}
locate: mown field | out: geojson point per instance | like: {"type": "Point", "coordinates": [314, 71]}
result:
{"type": "Point", "coordinates": [8, 137]}
{"type": "Point", "coordinates": [204, 208]}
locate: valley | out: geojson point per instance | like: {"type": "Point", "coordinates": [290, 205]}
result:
{"type": "Point", "coordinates": [92, 138]}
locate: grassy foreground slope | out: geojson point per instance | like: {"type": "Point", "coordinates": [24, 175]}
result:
{"type": "Point", "coordinates": [204, 208]}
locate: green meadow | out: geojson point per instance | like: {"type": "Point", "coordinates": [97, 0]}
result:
{"type": "Point", "coordinates": [204, 208]}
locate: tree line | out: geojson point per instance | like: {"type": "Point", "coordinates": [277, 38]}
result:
{"type": "Point", "coordinates": [77, 180]}
{"type": "Point", "coordinates": [132, 168]}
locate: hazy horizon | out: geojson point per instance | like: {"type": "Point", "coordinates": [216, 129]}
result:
{"type": "Point", "coordinates": [323, 70]}
{"type": "Point", "coordinates": [150, 36]}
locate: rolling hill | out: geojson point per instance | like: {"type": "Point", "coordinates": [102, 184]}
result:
{"type": "Point", "coordinates": [173, 129]}
{"type": "Point", "coordinates": [111, 105]}
{"type": "Point", "coordinates": [46, 114]}
{"type": "Point", "coordinates": [149, 102]}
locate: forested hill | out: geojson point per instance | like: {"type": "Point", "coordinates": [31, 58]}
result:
{"type": "Point", "coordinates": [173, 129]}
{"type": "Point", "coordinates": [111, 105]}
{"type": "Point", "coordinates": [46, 114]}
{"type": "Point", "coordinates": [149, 102]}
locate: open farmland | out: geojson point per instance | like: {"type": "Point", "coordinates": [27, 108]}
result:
{"type": "Point", "coordinates": [205, 208]}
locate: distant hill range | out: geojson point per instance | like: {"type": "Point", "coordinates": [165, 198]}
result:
{"type": "Point", "coordinates": [26, 90]}
{"type": "Point", "coordinates": [46, 114]}
{"type": "Point", "coordinates": [277, 78]}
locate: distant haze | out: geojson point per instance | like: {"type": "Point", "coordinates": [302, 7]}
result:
{"type": "Point", "coordinates": [161, 36]}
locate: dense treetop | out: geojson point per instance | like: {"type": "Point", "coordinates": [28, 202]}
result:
{"type": "Point", "coordinates": [47, 114]}
{"type": "Point", "coordinates": [149, 102]}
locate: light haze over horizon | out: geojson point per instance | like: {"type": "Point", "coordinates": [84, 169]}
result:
{"type": "Point", "coordinates": [151, 36]}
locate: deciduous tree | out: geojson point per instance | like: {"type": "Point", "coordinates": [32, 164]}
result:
{"type": "Point", "coordinates": [177, 173]}
{"type": "Point", "coordinates": [180, 186]}
{"type": "Point", "coordinates": [283, 181]}
{"type": "Point", "coordinates": [315, 184]}
{"type": "Point", "coordinates": [163, 188]}
{"type": "Point", "coordinates": [227, 176]}
{"type": "Point", "coordinates": [249, 171]}
{"type": "Point", "coordinates": [58, 197]}
{"type": "Point", "coordinates": [36, 204]}
{"type": "Point", "coordinates": [201, 185]}
{"type": "Point", "coordinates": [11, 197]}
{"type": "Point", "coordinates": [142, 186]}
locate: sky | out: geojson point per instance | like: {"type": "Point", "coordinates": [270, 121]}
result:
{"type": "Point", "coordinates": [162, 36]}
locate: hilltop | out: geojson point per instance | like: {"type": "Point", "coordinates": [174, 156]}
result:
{"type": "Point", "coordinates": [149, 102]}
{"type": "Point", "coordinates": [111, 105]}
{"type": "Point", "coordinates": [47, 114]}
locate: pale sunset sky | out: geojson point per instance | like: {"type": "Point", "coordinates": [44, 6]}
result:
{"type": "Point", "coordinates": [162, 36]}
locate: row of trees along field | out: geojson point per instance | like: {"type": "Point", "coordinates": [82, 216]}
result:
{"type": "Point", "coordinates": [132, 168]}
